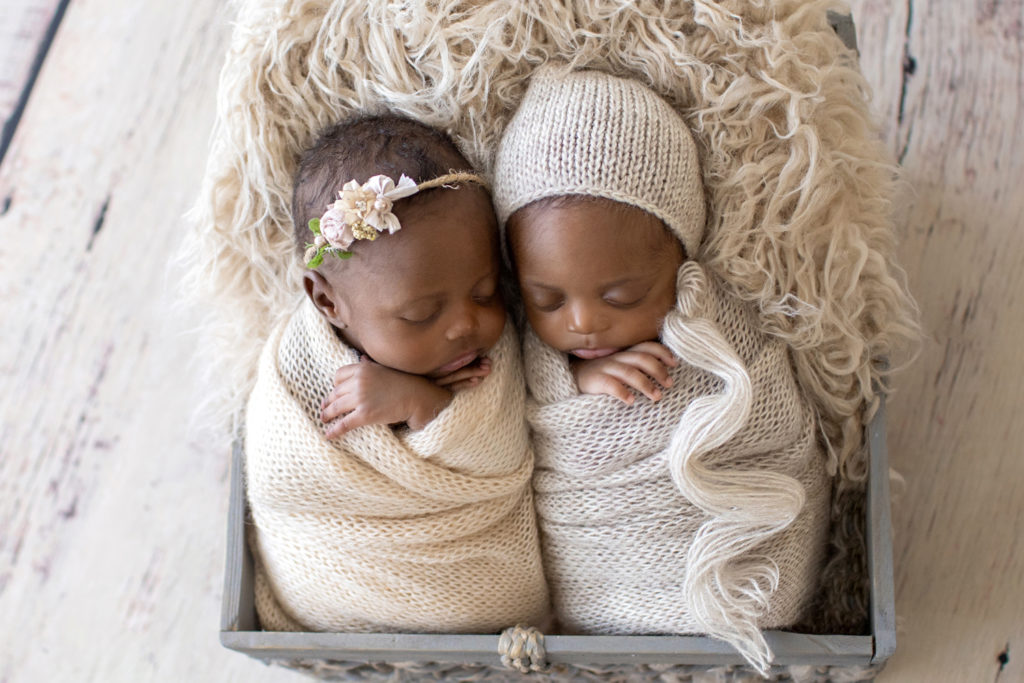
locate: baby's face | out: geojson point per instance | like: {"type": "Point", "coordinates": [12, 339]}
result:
{"type": "Point", "coordinates": [424, 300]}
{"type": "Point", "coordinates": [594, 281]}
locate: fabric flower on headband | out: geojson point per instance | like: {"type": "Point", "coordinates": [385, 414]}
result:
{"type": "Point", "coordinates": [359, 213]}
{"type": "Point", "coordinates": [363, 211]}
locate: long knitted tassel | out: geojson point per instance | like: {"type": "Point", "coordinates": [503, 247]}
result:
{"type": "Point", "coordinates": [728, 592]}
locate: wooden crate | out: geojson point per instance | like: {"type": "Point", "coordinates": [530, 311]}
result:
{"type": "Point", "coordinates": [317, 652]}
{"type": "Point", "coordinates": [239, 623]}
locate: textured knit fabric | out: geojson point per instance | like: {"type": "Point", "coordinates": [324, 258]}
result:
{"type": "Point", "coordinates": [589, 133]}
{"type": "Point", "coordinates": [621, 540]}
{"type": "Point", "coordinates": [389, 529]}
{"type": "Point", "coordinates": [799, 181]}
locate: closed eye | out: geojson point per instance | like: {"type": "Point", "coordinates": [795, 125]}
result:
{"type": "Point", "coordinates": [482, 300]}
{"type": "Point", "coordinates": [548, 306]}
{"type": "Point", "coordinates": [625, 296]}
{"type": "Point", "coordinates": [486, 296]}
{"type": "Point", "coordinates": [420, 318]}
{"type": "Point", "coordinates": [485, 291]}
{"type": "Point", "coordinates": [619, 303]}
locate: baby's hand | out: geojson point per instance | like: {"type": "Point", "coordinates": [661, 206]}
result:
{"type": "Point", "coordinates": [642, 367]}
{"type": "Point", "coordinates": [465, 378]}
{"type": "Point", "coordinates": [368, 393]}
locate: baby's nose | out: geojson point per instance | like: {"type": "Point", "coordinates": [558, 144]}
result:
{"type": "Point", "coordinates": [583, 319]}
{"type": "Point", "coordinates": [463, 324]}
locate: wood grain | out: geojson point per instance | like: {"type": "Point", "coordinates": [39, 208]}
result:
{"type": "Point", "coordinates": [112, 511]}
{"type": "Point", "coordinates": [112, 515]}
{"type": "Point", "coordinates": [950, 93]}
{"type": "Point", "coordinates": [26, 28]}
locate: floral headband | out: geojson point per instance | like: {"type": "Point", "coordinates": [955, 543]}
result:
{"type": "Point", "coordinates": [360, 212]}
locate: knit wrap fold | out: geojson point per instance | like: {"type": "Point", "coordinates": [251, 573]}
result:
{"type": "Point", "coordinates": [384, 529]}
{"type": "Point", "coordinates": [703, 512]}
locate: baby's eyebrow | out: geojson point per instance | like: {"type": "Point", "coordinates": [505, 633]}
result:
{"type": "Point", "coordinates": [406, 303]}
{"type": "Point", "coordinates": [621, 281]}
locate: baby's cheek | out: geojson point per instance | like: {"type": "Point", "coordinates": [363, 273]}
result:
{"type": "Point", "coordinates": [550, 329]}
{"type": "Point", "coordinates": [495, 324]}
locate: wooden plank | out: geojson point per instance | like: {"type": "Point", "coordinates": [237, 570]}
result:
{"type": "Point", "coordinates": [27, 28]}
{"type": "Point", "coordinates": [879, 529]}
{"type": "Point", "coordinates": [111, 539]}
{"type": "Point", "coordinates": [790, 648]}
{"type": "Point", "coordinates": [948, 86]}
{"type": "Point", "coordinates": [239, 601]}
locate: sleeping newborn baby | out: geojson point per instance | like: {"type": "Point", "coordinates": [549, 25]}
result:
{"type": "Point", "coordinates": [388, 462]}
{"type": "Point", "coordinates": [680, 487]}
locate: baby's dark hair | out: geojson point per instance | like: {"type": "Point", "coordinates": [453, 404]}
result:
{"type": "Point", "coordinates": [361, 148]}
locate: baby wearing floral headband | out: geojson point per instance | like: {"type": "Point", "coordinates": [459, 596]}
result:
{"type": "Point", "coordinates": [680, 487]}
{"type": "Point", "coordinates": [387, 457]}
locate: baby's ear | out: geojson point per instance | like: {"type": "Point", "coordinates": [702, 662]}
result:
{"type": "Point", "coordinates": [327, 301]}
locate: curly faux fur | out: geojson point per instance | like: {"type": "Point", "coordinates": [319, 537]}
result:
{"type": "Point", "coordinates": [800, 188]}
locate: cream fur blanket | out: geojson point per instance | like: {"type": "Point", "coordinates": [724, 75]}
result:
{"type": "Point", "coordinates": [799, 184]}
{"type": "Point", "coordinates": [704, 512]}
{"type": "Point", "coordinates": [389, 529]}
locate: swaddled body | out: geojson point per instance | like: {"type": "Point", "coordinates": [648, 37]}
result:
{"type": "Point", "coordinates": [680, 485]}
{"type": "Point", "coordinates": [389, 529]}
{"type": "Point", "coordinates": [616, 530]}
{"type": "Point", "coordinates": [387, 457]}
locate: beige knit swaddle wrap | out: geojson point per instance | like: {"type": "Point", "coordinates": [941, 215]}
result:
{"type": "Point", "coordinates": [389, 530]}
{"type": "Point", "coordinates": [704, 512]}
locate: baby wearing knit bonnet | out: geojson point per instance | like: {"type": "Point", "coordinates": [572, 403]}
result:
{"type": "Point", "coordinates": [679, 483]}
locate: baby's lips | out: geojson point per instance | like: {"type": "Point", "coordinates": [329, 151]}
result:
{"type": "Point", "coordinates": [593, 354]}
{"type": "Point", "coordinates": [467, 358]}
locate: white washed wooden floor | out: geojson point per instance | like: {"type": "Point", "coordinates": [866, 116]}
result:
{"type": "Point", "coordinates": [112, 511]}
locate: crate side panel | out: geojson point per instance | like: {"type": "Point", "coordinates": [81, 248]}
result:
{"type": "Point", "coordinates": [880, 565]}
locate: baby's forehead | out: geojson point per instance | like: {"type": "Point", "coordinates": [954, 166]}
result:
{"type": "Point", "coordinates": [370, 278]}
{"type": "Point", "coordinates": [586, 219]}
{"type": "Point", "coordinates": [439, 249]}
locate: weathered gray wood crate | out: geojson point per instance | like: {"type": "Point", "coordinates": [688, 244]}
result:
{"type": "Point", "coordinates": [334, 652]}
{"type": "Point", "coordinates": [362, 656]}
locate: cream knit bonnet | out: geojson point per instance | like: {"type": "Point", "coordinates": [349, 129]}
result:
{"type": "Point", "coordinates": [589, 133]}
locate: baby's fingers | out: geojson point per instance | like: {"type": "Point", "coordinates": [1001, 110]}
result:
{"type": "Point", "coordinates": [606, 384]}
{"type": "Point", "coordinates": [634, 378]}
{"type": "Point", "coordinates": [333, 395]}
{"type": "Point", "coordinates": [336, 406]}
{"type": "Point", "coordinates": [347, 371]}
{"type": "Point", "coordinates": [658, 350]}
{"type": "Point", "coordinates": [650, 365]}
{"type": "Point", "coordinates": [462, 385]}
{"type": "Point", "coordinates": [356, 418]}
